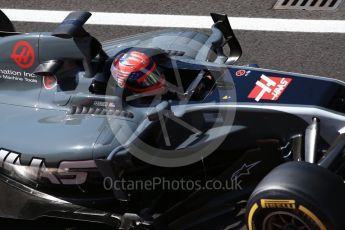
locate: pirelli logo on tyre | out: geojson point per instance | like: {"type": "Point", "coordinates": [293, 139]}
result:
{"type": "Point", "coordinates": [298, 210]}
{"type": "Point", "coordinates": [272, 203]}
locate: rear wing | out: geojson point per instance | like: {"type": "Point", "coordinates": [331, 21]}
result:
{"type": "Point", "coordinates": [222, 34]}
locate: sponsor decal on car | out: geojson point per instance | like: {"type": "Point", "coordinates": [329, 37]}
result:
{"type": "Point", "coordinates": [242, 72]}
{"type": "Point", "coordinates": [49, 82]}
{"type": "Point", "coordinates": [23, 54]}
{"type": "Point", "coordinates": [269, 88]}
{"type": "Point", "coordinates": [67, 173]}
{"type": "Point", "coordinates": [244, 170]}
{"type": "Point", "coordinates": [18, 76]}
{"type": "Point", "coordinates": [104, 104]}
{"type": "Point", "coordinates": [272, 203]}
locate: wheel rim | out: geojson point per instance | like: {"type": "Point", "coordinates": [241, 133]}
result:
{"type": "Point", "coordinates": [285, 221]}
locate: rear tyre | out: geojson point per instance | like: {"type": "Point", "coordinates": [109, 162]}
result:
{"type": "Point", "coordinates": [297, 195]}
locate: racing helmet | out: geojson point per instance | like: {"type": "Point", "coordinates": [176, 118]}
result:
{"type": "Point", "coordinates": [137, 72]}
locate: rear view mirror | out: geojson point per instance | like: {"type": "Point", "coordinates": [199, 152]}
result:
{"type": "Point", "coordinates": [50, 67]}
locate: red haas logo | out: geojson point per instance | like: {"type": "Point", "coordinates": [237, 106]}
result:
{"type": "Point", "coordinates": [23, 54]}
{"type": "Point", "coordinates": [269, 88]}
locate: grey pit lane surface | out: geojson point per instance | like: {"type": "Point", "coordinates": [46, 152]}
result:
{"type": "Point", "coordinates": [235, 8]}
{"type": "Point", "coordinates": [309, 53]}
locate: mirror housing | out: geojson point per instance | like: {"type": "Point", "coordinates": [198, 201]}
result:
{"type": "Point", "coordinates": [50, 67]}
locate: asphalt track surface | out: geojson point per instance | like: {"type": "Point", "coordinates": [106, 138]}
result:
{"type": "Point", "coordinates": [320, 54]}
{"type": "Point", "coordinates": [310, 53]}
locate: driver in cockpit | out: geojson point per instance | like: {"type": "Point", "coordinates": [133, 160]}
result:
{"type": "Point", "coordinates": [138, 73]}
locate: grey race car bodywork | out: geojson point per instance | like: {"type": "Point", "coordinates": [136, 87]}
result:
{"type": "Point", "coordinates": [58, 136]}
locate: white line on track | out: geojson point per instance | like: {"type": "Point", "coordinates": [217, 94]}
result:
{"type": "Point", "coordinates": [182, 21]}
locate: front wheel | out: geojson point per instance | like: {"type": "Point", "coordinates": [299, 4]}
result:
{"type": "Point", "coordinates": [297, 195]}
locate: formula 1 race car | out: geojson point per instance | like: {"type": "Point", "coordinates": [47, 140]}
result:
{"type": "Point", "coordinates": [78, 151]}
